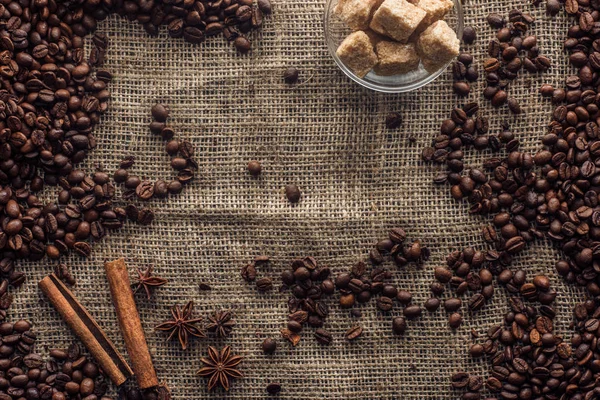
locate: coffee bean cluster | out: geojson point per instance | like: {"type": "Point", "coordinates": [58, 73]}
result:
{"type": "Point", "coordinates": [464, 129]}
{"type": "Point", "coordinates": [192, 21]}
{"type": "Point", "coordinates": [182, 161]}
{"type": "Point", "coordinates": [466, 273]}
{"type": "Point", "coordinates": [528, 360]}
{"type": "Point", "coordinates": [470, 384]}
{"type": "Point", "coordinates": [68, 374]}
{"type": "Point", "coordinates": [358, 286]}
{"type": "Point", "coordinates": [513, 49]}
{"type": "Point", "coordinates": [309, 284]}
{"type": "Point", "coordinates": [464, 70]}
{"type": "Point", "coordinates": [401, 253]}
{"type": "Point", "coordinates": [550, 194]}
{"type": "Point", "coordinates": [53, 95]}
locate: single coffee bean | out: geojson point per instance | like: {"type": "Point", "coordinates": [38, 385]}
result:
{"type": "Point", "coordinates": [290, 76]}
{"type": "Point", "coordinates": [254, 168]}
{"type": "Point", "coordinates": [269, 346]}
{"type": "Point", "coordinates": [273, 388]}
{"type": "Point", "coordinates": [469, 35]}
{"type": "Point", "coordinates": [412, 311]}
{"type": "Point", "coordinates": [455, 320]}
{"type": "Point", "coordinates": [292, 192]}
{"type": "Point", "coordinates": [399, 325]}
{"type": "Point", "coordinates": [393, 120]}
{"type": "Point", "coordinates": [160, 112]}
{"type": "Point", "coordinates": [354, 333]}
{"type": "Point", "coordinates": [432, 304]}
{"type": "Point", "coordinates": [323, 337]}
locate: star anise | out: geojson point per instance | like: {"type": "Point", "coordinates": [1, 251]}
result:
{"type": "Point", "coordinates": [220, 367]}
{"type": "Point", "coordinates": [182, 324]}
{"type": "Point", "coordinates": [221, 323]}
{"type": "Point", "coordinates": [146, 280]}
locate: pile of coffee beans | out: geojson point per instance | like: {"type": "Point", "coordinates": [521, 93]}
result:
{"type": "Point", "coordinates": [309, 283]}
{"type": "Point", "coordinates": [513, 49]}
{"type": "Point", "coordinates": [399, 251]}
{"type": "Point", "coordinates": [52, 97]}
{"type": "Point", "coordinates": [528, 360]}
{"type": "Point", "coordinates": [356, 286]}
{"type": "Point", "coordinates": [68, 374]}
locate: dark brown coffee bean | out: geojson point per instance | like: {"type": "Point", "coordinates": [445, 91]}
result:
{"type": "Point", "coordinates": [495, 20]}
{"type": "Point", "coordinates": [290, 76]}
{"type": "Point", "coordinates": [292, 192]}
{"type": "Point", "coordinates": [455, 320]}
{"type": "Point", "coordinates": [254, 168]}
{"type": "Point", "coordinates": [273, 388]}
{"type": "Point", "coordinates": [160, 112]}
{"type": "Point", "coordinates": [460, 380]}
{"type": "Point", "coordinates": [432, 304]}
{"type": "Point", "coordinates": [469, 35]}
{"type": "Point", "coordinates": [412, 312]}
{"type": "Point", "coordinates": [269, 346]}
{"type": "Point", "coordinates": [145, 190]}
{"type": "Point", "coordinates": [323, 337]}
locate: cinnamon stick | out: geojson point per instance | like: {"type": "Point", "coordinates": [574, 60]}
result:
{"type": "Point", "coordinates": [86, 329]}
{"type": "Point", "coordinates": [129, 321]}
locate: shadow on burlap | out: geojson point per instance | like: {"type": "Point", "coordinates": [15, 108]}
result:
{"type": "Point", "coordinates": [358, 179]}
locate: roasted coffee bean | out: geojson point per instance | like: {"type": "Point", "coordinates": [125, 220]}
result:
{"type": "Point", "coordinates": [455, 320]}
{"type": "Point", "coordinates": [393, 120]}
{"type": "Point", "coordinates": [254, 168]}
{"type": "Point", "coordinates": [160, 112]}
{"type": "Point", "coordinates": [469, 35]}
{"type": "Point", "coordinates": [399, 325]}
{"type": "Point", "coordinates": [323, 337]}
{"type": "Point", "coordinates": [495, 20]}
{"type": "Point", "coordinates": [292, 192]}
{"type": "Point", "coordinates": [385, 303]}
{"type": "Point", "coordinates": [290, 76]}
{"type": "Point", "coordinates": [273, 388]}
{"type": "Point", "coordinates": [354, 333]}
{"type": "Point", "coordinates": [264, 284]}
{"type": "Point", "coordinates": [412, 311]}
{"type": "Point", "coordinates": [432, 304]}
{"type": "Point", "coordinates": [269, 346]}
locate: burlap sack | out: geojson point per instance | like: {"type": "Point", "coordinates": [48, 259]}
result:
{"type": "Point", "coordinates": [327, 135]}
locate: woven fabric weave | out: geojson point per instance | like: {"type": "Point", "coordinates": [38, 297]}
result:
{"type": "Point", "coordinates": [358, 180]}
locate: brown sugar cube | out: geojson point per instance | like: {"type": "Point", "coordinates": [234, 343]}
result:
{"type": "Point", "coordinates": [397, 19]}
{"type": "Point", "coordinates": [437, 45]}
{"type": "Point", "coordinates": [435, 9]}
{"type": "Point", "coordinates": [357, 13]}
{"type": "Point", "coordinates": [356, 52]}
{"type": "Point", "coordinates": [375, 37]}
{"type": "Point", "coordinates": [396, 58]}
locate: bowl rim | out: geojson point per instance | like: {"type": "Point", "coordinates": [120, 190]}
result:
{"type": "Point", "coordinates": [379, 87]}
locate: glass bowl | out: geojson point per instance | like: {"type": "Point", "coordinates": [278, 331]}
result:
{"type": "Point", "coordinates": [336, 31]}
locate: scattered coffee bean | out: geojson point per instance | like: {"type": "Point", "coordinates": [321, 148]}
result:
{"type": "Point", "coordinates": [292, 192]}
{"type": "Point", "coordinates": [469, 35]}
{"type": "Point", "coordinates": [354, 333]}
{"type": "Point", "coordinates": [273, 388]}
{"type": "Point", "coordinates": [393, 120]}
{"type": "Point", "coordinates": [254, 168]}
{"type": "Point", "coordinates": [290, 76]}
{"type": "Point", "coordinates": [269, 346]}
